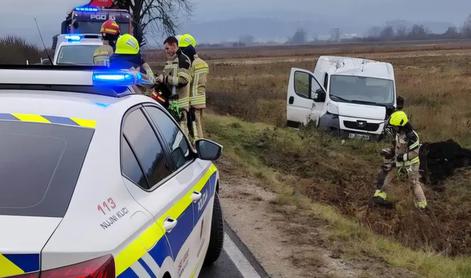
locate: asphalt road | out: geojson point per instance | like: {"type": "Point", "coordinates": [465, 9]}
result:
{"type": "Point", "coordinates": [224, 267]}
{"type": "Point", "coordinates": [236, 261]}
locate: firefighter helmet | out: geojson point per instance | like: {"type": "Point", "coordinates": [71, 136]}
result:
{"type": "Point", "coordinates": [110, 27]}
{"type": "Point", "coordinates": [127, 44]}
{"type": "Point", "coordinates": [398, 118]}
{"type": "Point", "coordinates": [186, 40]}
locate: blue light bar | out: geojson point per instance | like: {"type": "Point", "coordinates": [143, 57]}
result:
{"type": "Point", "coordinates": [73, 38]}
{"type": "Point", "coordinates": [86, 9]}
{"type": "Point", "coordinates": [116, 78]}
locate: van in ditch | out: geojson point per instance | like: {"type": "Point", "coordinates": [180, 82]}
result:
{"type": "Point", "coordinates": [351, 97]}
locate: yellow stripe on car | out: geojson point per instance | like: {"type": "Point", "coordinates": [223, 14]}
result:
{"type": "Point", "coordinates": [32, 118]}
{"type": "Point", "coordinates": [7, 268]}
{"type": "Point", "coordinates": [149, 238]}
{"type": "Point", "coordinates": [84, 122]}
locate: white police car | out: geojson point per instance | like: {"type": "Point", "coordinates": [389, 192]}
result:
{"type": "Point", "coordinates": [96, 181]}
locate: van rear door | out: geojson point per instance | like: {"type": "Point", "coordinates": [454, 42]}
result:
{"type": "Point", "coordinates": [305, 98]}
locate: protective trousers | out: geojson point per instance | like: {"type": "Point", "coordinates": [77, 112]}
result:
{"type": "Point", "coordinates": [181, 116]}
{"type": "Point", "coordinates": [386, 175]}
{"type": "Point", "coordinates": [195, 123]}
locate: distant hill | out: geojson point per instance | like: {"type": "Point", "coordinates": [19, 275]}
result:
{"type": "Point", "coordinates": [280, 29]}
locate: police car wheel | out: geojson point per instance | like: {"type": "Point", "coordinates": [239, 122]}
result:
{"type": "Point", "coordinates": [217, 234]}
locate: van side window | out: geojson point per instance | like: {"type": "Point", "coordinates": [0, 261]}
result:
{"type": "Point", "coordinates": [302, 84]}
{"type": "Point", "coordinates": [147, 149]}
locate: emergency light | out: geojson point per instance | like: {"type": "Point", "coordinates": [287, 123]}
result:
{"type": "Point", "coordinates": [117, 78]}
{"type": "Point", "coordinates": [86, 9]}
{"type": "Point", "coordinates": [73, 38]}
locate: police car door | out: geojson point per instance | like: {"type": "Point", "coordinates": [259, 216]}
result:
{"type": "Point", "coordinates": [194, 177]}
{"type": "Point", "coordinates": [305, 98]}
{"type": "Point", "coordinates": [147, 171]}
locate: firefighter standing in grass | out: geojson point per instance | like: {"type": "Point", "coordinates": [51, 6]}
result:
{"type": "Point", "coordinates": [176, 78]}
{"type": "Point", "coordinates": [404, 157]}
{"type": "Point", "coordinates": [110, 32]}
{"type": "Point", "coordinates": [199, 76]}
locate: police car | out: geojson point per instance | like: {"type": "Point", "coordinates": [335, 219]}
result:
{"type": "Point", "coordinates": [76, 49]}
{"type": "Point", "coordinates": [98, 181]}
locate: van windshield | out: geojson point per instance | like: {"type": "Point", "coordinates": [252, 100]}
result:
{"type": "Point", "coordinates": [358, 89]}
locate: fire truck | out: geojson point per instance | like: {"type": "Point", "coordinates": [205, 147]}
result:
{"type": "Point", "coordinates": [88, 19]}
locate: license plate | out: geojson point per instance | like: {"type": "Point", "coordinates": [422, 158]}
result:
{"type": "Point", "coordinates": [358, 136]}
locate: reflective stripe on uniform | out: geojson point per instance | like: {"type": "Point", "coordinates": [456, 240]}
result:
{"type": "Point", "coordinates": [184, 74]}
{"type": "Point", "coordinates": [200, 70]}
{"type": "Point", "coordinates": [152, 239]}
{"type": "Point", "coordinates": [408, 163]}
{"type": "Point", "coordinates": [36, 118]}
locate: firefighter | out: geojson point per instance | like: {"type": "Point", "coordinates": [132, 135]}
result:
{"type": "Point", "coordinates": [110, 32]}
{"type": "Point", "coordinates": [199, 74]}
{"type": "Point", "coordinates": [404, 157]}
{"type": "Point", "coordinates": [127, 56]}
{"type": "Point", "coordinates": [176, 80]}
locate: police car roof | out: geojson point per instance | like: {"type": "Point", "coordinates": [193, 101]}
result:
{"type": "Point", "coordinates": [61, 91]}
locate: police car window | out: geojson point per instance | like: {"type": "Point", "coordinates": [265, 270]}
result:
{"type": "Point", "coordinates": [39, 167]}
{"type": "Point", "coordinates": [131, 168]}
{"type": "Point", "coordinates": [146, 147]}
{"type": "Point", "coordinates": [176, 141]}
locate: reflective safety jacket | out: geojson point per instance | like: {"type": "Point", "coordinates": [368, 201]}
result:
{"type": "Point", "coordinates": [101, 56]}
{"type": "Point", "coordinates": [199, 75]}
{"type": "Point", "coordinates": [407, 148]}
{"type": "Point", "coordinates": [177, 78]}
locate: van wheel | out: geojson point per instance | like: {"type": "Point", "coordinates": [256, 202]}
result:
{"type": "Point", "coordinates": [217, 234]}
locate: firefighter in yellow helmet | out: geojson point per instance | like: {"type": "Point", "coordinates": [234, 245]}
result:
{"type": "Point", "coordinates": [199, 76]}
{"type": "Point", "coordinates": [175, 82]}
{"type": "Point", "coordinates": [128, 56]}
{"type": "Point", "coordinates": [406, 161]}
{"type": "Point", "coordinates": [110, 32]}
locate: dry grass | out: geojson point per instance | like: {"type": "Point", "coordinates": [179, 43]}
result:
{"type": "Point", "coordinates": [435, 83]}
{"type": "Point", "coordinates": [333, 182]}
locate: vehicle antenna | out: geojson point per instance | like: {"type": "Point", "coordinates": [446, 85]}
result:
{"type": "Point", "coordinates": [42, 40]}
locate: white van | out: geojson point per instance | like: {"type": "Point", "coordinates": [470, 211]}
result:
{"type": "Point", "coordinates": [348, 96]}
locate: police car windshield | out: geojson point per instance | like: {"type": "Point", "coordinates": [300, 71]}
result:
{"type": "Point", "coordinates": [39, 166]}
{"type": "Point", "coordinates": [76, 55]}
{"type": "Point", "coordinates": [358, 89]}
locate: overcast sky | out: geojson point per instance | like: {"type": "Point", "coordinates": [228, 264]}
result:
{"type": "Point", "coordinates": [16, 16]}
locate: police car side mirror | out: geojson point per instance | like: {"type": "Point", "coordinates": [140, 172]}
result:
{"type": "Point", "coordinates": [208, 150]}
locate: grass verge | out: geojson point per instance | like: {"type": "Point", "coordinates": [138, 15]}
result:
{"type": "Point", "coordinates": [256, 149]}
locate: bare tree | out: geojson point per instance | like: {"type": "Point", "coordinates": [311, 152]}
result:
{"type": "Point", "coordinates": [418, 32]}
{"type": "Point", "coordinates": [154, 16]}
{"type": "Point", "coordinates": [387, 33]}
{"type": "Point", "coordinates": [299, 36]}
{"type": "Point", "coordinates": [467, 27]}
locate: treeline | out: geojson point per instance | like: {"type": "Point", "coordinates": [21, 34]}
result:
{"type": "Point", "coordinates": [16, 51]}
{"type": "Point", "coordinates": [417, 32]}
